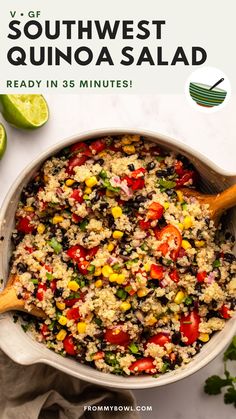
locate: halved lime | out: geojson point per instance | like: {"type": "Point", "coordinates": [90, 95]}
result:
{"type": "Point", "coordinates": [3, 140]}
{"type": "Point", "coordinates": [24, 111]}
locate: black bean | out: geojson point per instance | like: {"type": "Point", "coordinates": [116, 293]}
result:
{"type": "Point", "coordinates": [99, 161]}
{"type": "Point", "coordinates": [22, 267]}
{"type": "Point", "coordinates": [1, 238]}
{"type": "Point", "coordinates": [229, 257]}
{"type": "Point", "coordinates": [198, 347]}
{"type": "Point", "coordinates": [140, 198]}
{"type": "Point", "coordinates": [194, 269]}
{"type": "Point", "coordinates": [162, 222]}
{"type": "Point", "coordinates": [170, 171]}
{"type": "Point", "coordinates": [233, 304]}
{"type": "Point", "coordinates": [95, 198]}
{"type": "Point", "coordinates": [75, 185]}
{"type": "Point", "coordinates": [161, 173]}
{"type": "Point", "coordinates": [131, 167]}
{"type": "Point", "coordinates": [165, 358]}
{"type": "Point", "coordinates": [151, 166]}
{"type": "Point", "coordinates": [164, 300]}
{"type": "Point", "coordinates": [58, 292]}
{"type": "Point", "coordinates": [56, 170]}
{"type": "Point", "coordinates": [176, 338]}
{"type": "Point", "coordinates": [178, 360]}
{"type": "Point", "coordinates": [104, 205]}
{"type": "Point", "coordinates": [207, 221]}
{"type": "Point", "coordinates": [149, 195]}
{"type": "Point", "coordinates": [17, 238]}
{"type": "Point", "coordinates": [198, 287]}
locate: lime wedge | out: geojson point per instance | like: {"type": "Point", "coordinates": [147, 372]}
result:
{"type": "Point", "coordinates": [24, 111]}
{"type": "Point", "coordinates": [3, 140]}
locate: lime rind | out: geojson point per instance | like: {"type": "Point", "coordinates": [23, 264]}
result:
{"type": "Point", "coordinates": [24, 111]}
{"type": "Point", "coordinates": [3, 140]}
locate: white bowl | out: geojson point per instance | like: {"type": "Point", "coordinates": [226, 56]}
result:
{"type": "Point", "coordinates": [23, 349]}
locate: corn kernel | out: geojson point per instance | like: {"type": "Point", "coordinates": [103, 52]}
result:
{"type": "Point", "coordinates": [120, 279]}
{"type": "Point", "coordinates": [166, 205]}
{"type": "Point", "coordinates": [98, 272]}
{"type": "Point", "coordinates": [142, 292]}
{"type": "Point", "coordinates": [85, 196]}
{"type": "Point", "coordinates": [88, 190]}
{"type": "Point", "coordinates": [180, 196]}
{"type": "Point", "coordinates": [147, 267]}
{"type": "Point", "coordinates": [107, 271]}
{"type": "Point", "coordinates": [125, 306]}
{"type": "Point", "coordinates": [81, 327]}
{"type": "Point", "coordinates": [60, 306]}
{"type": "Point", "coordinates": [98, 283]}
{"type": "Point", "coordinates": [62, 320]}
{"type": "Point", "coordinates": [185, 244]}
{"type": "Point", "coordinates": [45, 178]}
{"type": "Point", "coordinates": [179, 298]}
{"type": "Point", "coordinates": [176, 316]}
{"type": "Point", "coordinates": [91, 181]}
{"type": "Point", "coordinates": [102, 154]}
{"type": "Point", "coordinates": [41, 228]}
{"type": "Point", "coordinates": [110, 247]}
{"type": "Point", "coordinates": [135, 138]}
{"type": "Point", "coordinates": [129, 149]}
{"type": "Point", "coordinates": [188, 222]}
{"type": "Point", "coordinates": [126, 141]}
{"type": "Point", "coordinates": [116, 212]}
{"type": "Point", "coordinates": [113, 277]}
{"type": "Point", "coordinates": [199, 243]}
{"type": "Point", "coordinates": [110, 194]}
{"type": "Point", "coordinates": [57, 219]}
{"type": "Point", "coordinates": [73, 286]}
{"type": "Point", "coordinates": [69, 182]}
{"type": "Point", "coordinates": [117, 234]}
{"type": "Point", "coordinates": [61, 335]}
{"type": "Point", "coordinates": [181, 227]}
{"type": "Point", "coordinates": [151, 321]}
{"type": "Point", "coordinates": [204, 337]}
{"type": "Point", "coordinates": [29, 209]}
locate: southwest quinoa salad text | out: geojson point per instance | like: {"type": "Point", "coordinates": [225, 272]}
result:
{"type": "Point", "coordinates": [133, 276]}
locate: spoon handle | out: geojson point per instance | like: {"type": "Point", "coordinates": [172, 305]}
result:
{"type": "Point", "coordinates": [216, 84]}
{"type": "Point", "coordinates": [225, 200]}
{"type": "Point", "coordinates": [9, 300]}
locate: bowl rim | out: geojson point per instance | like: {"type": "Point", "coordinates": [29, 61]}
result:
{"type": "Point", "coordinates": [99, 377]}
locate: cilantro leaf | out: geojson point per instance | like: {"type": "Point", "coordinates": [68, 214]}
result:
{"type": "Point", "coordinates": [230, 353]}
{"type": "Point", "coordinates": [214, 384]}
{"type": "Point", "coordinates": [230, 396]}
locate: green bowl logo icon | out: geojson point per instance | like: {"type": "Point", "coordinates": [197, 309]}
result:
{"type": "Point", "coordinates": [205, 95]}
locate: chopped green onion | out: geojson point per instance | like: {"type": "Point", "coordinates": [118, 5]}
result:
{"type": "Point", "coordinates": [133, 348]}
{"type": "Point", "coordinates": [121, 293]}
{"type": "Point", "coordinates": [49, 276]}
{"type": "Point", "coordinates": [91, 269]}
{"type": "Point", "coordinates": [184, 206]}
{"type": "Point", "coordinates": [98, 321]}
{"type": "Point", "coordinates": [116, 267]}
{"type": "Point", "coordinates": [188, 301]}
{"type": "Point", "coordinates": [83, 225]}
{"type": "Point", "coordinates": [35, 281]}
{"type": "Point", "coordinates": [216, 263]}
{"type": "Point", "coordinates": [57, 247]}
{"type": "Point", "coordinates": [103, 174]}
{"type": "Point", "coordinates": [166, 184]}
{"type": "Point", "coordinates": [108, 185]}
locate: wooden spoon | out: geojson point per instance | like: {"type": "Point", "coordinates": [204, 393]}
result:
{"type": "Point", "coordinates": [10, 301]}
{"type": "Point", "coordinates": [217, 203]}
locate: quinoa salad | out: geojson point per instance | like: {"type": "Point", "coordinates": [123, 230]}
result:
{"type": "Point", "coordinates": [133, 275]}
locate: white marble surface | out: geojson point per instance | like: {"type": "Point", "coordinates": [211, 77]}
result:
{"type": "Point", "coordinates": [212, 134]}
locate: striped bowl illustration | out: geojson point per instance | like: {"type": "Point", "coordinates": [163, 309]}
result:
{"type": "Point", "coordinates": [201, 94]}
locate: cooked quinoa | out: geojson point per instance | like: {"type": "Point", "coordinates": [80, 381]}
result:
{"type": "Point", "coordinates": [133, 276]}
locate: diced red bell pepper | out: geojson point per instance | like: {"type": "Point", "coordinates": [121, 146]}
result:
{"type": "Point", "coordinates": [83, 267]}
{"type": "Point", "coordinates": [76, 218]}
{"type": "Point", "coordinates": [92, 252]}
{"type": "Point", "coordinates": [179, 168]}
{"type": "Point", "coordinates": [97, 146]}
{"type": "Point", "coordinates": [69, 302]}
{"type": "Point", "coordinates": [69, 345]}
{"type": "Point", "coordinates": [144, 225]}
{"type": "Point", "coordinates": [186, 177]}
{"type": "Point", "coordinates": [78, 147]}
{"type": "Point", "coordinates": [76, 253]}
{"type": "Point", "coordinates": [40, 292]}
{"type": "Point", "coordinates": [224, 312]}
{"type": "Point", "coordinates": [98, 355]}
{"type": "Point", "coordinates": [53, 285]}
{"type": "Point", "coordinates": [73, 314]}
{"type": "Point", "coordinates": [174, 275]}
{"type": "Point", "coordinates": [24, 225]}
{"type": "Point", "coordinates": [137, 184]}
{"type": "Point", "coordinates": [75, 161]}
{"type": "Point", "coordinates": [157, 271]}
{"type": "Point", "coordinates": [138, 173]}
{"type": "Point", "coordinates": [44, 330]}
{"type": "Point", "coordinates": [77, 195]}
{"type": "Point", "coordinates": [201, 276]}
{"type": "Point", "coordinates": [29, 249]}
